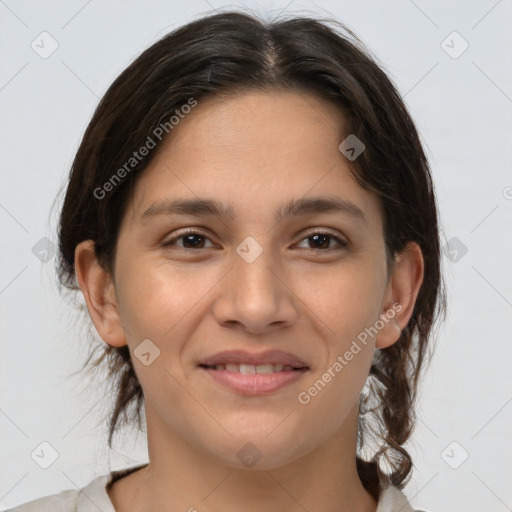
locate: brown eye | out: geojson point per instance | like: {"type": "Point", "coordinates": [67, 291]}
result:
{"type": "Point", "coordinates": [321, 241]}
{"type": "Point", "coordinates": [191, 240]}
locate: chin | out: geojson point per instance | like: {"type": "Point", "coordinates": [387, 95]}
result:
{"type": "Point", "coordinates": [257, 450]}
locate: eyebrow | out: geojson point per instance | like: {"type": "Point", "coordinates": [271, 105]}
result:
{"type": "Point", "coordinates": [294, 208]}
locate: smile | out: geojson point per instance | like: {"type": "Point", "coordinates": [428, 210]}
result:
{"type": "Point", "coordinates": [248, 379]}
{"type": "Point", "coordinates": [251, 369]}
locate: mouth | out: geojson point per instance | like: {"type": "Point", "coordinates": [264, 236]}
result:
{"type": "Point", "coordinates": [254, 374]}
{"type": "Point", "coordinates": [251, 369]}
{"type": "Point", "coordinates": [275, 360]}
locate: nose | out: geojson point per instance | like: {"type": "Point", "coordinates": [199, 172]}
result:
{"type": "Point", "coordinates": [256, 297]}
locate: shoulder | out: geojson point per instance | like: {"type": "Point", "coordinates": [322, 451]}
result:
{"type": "Point", "coordinates": [91, 497]}
{"type": "Point", "coordinates": [65, 501]}
{"type": "Point", "coordinates": [392, 499]}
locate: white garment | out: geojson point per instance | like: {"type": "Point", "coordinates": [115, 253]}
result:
{"type": "Point", "coordinates": [94, 498]}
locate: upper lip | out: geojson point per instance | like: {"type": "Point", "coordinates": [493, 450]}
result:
{"type": "Point", "coordinates": [244, 357]}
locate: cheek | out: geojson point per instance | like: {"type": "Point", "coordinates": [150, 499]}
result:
{"type": "Point", "coordinates": [346, 300]}
{"type": "Point", "coordinates": [155, 297]}
{"type": "Point", "coordinates": [348, 307]}
{"type": "Point", "coordinates": [155, 301]}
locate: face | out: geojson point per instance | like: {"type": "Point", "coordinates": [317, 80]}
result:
{"type": "Point", "coordinates": [304, 285]}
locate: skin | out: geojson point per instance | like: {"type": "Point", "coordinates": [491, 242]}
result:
{"type": "Point", "coordinates": [253, 151]}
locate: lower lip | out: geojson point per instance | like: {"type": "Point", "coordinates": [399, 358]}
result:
{"type": "Point", "coordinates": [254, 384]}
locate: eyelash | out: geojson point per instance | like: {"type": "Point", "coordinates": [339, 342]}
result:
{"type": "Point", "coordinates": [191, 231]}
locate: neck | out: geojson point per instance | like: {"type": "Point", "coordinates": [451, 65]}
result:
{"type": "Point", "coordinates": [179, 477]}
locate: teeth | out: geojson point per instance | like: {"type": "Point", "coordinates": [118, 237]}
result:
{"type": "Point", "coordinates": [251, 369]}
{"type": "Point", "coordinates": [247, 369]}
{"type": "Point", "coordinates": [264, 368]}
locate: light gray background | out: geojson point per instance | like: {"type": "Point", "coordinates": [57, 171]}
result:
{"type": "Point", "coordinates": [462, 107]}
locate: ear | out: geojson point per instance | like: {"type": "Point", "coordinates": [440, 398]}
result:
{"type": "Point", "coordinates": [99, 293]}
{"type": "Point", "coordinates": [401, 293]}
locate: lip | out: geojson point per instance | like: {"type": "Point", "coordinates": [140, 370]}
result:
{"type": "Point", "coordinates": [254, 384]}
{"type": "Point", "coordinates": [256, 358]}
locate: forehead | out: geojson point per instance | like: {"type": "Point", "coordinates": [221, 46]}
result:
{"type": "Point", "coordinates": [258, 149]}
{"type": "Point", "coordinates": [255, 120]}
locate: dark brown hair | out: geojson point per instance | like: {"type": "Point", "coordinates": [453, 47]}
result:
{"type": "Point", "coordinates": [233, 52]}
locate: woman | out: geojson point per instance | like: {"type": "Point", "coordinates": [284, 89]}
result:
{"type": "Point", "coordinates": [251, 219]}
